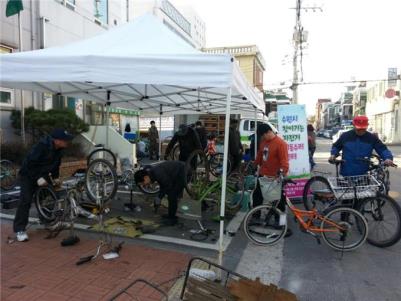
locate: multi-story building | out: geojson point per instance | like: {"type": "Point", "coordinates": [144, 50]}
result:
{"type": "Point", "coordinates": [383, 108]}
{"type": "Point", "coordinates": [58, 22]}
{"type": "Point", "coordinates": [359, 99]}
{"type": "Point", "coordinates": [250, 61]}
{"type": "Point", "coordinates": [319, 124]}
{"type": "Point", "coordinates": [330, 115]}
{"type": "Point", "coordinates": [272, 100]}
{"type": "Point", "coordinates": [184, 21]}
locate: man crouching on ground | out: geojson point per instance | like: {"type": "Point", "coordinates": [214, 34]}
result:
{"type": "Point", "coordinates": [171, 177]}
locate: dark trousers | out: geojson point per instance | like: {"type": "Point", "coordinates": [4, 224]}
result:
{"type": "Point", "coordinates": [28, 188]}
{"type": "Point", "coordinates": [312, 150]}
{"type": "Point", "coordinates": [154, 150]}
{"type": "Point", "coordinates": [173, 202]}
{"type": "Point", "coordinates": [236, 161]}
{"type": "Point", "coordinates": [258, 198]}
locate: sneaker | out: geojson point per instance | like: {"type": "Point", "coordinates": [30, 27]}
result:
{"type": "Point", "coordinates": [22, 236]}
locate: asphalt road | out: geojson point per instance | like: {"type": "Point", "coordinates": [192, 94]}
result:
{"type": "Point", "coordinates": [315, 272]}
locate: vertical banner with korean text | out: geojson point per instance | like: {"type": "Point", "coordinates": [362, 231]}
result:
{"type": "Point", "coordinates": [292, 127]}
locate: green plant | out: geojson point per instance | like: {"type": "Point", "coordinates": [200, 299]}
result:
{"type": "Point", "coordinates": [38, 123]}
{"type": "Point", "coordinates": [198, 187]}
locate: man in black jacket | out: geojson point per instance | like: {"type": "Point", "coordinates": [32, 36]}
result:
{"type": "Point", "coordinates": [44, 158]}
{"type": "Point", "coordinates": [171, 177]}
{"type": "Point", "coordinates": [235, 148]}
{"type": "Point", "coordinates": [188, 140]}
{"type": "Point", "coordinates": [200, 130]}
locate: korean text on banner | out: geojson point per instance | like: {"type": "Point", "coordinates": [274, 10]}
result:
{"type": "Point", "coordinates": [292, 127]}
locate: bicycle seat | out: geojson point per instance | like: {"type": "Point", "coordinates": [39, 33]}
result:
{"type": "Point", "coordinates": [288, 181]}
{"type": "Point", "coordinates": [99, 145]}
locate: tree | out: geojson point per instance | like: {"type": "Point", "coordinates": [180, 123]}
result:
{"type": "Point", "coordinates": [38, 123]}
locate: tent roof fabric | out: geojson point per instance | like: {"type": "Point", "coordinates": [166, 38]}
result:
{"type": "Point", "coordinates": [141, 65]}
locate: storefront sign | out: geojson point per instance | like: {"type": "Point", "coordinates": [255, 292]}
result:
{"type": "Point", "coordinates": [123, 111]}
{"type": "Point", "coordinates": [292, 127]}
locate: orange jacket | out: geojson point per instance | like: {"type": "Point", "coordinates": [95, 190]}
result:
{"type": "Point", "coordinates": [272, 156]}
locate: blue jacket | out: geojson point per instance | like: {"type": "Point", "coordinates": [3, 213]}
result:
{"type": "Point", "coordinates": [355, 147]}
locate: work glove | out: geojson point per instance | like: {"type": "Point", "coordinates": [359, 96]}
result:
{"type": "Point", "coordinates": [41, 182]}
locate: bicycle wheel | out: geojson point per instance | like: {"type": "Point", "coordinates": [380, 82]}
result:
{"type": "Point", "coordinates": [318, 194]}
{"type": "Point", "coordinates": [235, 190]}
{"type": "Point", "coordinates": [261, 225]}
{"type": "Point", "coordinates": [49, 207]}
{"type": "Point", "coordinates": [151, 189]}
{"type": "Point", "coordinates": [383, 215]}
{"type": "Point", "coordinates": [8, 174]}
{"type": "Point", "coordinates": [197, 170]}
{"type": "Point", "coordinates": [101, 182]}
{"type": "Point", "coordinates": [216, 165]}
{"type": "Point", "coordinates": [247, 169]}
{"type": "Point", "coordinates": [344, 229]}
{"type": "Point", "coordinates": [175, 153]}
{"type": "Point", "coordinates": [102, 153]}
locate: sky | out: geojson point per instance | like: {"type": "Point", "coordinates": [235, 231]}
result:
{"type": "Point", "coordinates": [347, 39]}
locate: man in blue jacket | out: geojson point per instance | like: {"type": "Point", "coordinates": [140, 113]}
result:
{"type": "Point", "coordinates": [357, 144]}
{"type": "Point", "coordinates": [44, 158]}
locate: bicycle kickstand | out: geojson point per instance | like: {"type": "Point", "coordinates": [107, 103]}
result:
{"type": "Point", "coordinates": [315, 236]}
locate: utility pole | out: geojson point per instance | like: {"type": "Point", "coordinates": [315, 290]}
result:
{"type": "Point", "coordinates": [299, 37]}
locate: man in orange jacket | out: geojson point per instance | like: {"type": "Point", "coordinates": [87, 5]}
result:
{"type": "Point", "coordinates": [272, 157]}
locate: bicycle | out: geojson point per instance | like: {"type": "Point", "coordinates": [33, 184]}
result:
{"type": "Point", "coordinates": [363, 193]}
{"type": "Point", "coordinates": [8, 175]}
{"type": "Point", "coordinates": [99, 184]}
{"type": "Point", "coordinates": [341, 228]}
{"type": "Point", "coordinates": [100, 152]}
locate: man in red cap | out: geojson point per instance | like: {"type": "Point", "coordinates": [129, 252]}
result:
{"type": "Point", "coordinates": [357, 144]}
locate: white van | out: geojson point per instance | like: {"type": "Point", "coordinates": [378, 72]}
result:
{"type": "Point", "coordinates": [247, 128]}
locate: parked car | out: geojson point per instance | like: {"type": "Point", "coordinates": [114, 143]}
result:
{"type": "Point", "coordinates": [320, 133]}
{"type": "Point", "coordinates": [327, 134]}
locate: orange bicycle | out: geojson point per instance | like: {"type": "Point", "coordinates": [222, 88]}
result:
{"type": "Point", "coordinates": [341, 228]}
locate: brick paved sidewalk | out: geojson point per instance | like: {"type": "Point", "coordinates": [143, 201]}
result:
{"type": "Point", "coordinates": [43, 270]}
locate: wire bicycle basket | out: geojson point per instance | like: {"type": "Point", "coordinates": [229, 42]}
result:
{"type": "Point", "coordinates": [347, 188]}
{"type": "Point", "coordinates": [270, 188]}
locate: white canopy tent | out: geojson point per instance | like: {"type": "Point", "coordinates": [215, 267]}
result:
{"type": "Point", "coordinates": [142, 66]}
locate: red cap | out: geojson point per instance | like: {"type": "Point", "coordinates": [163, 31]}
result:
{"type": "Point", "coordinates": [361, 122]}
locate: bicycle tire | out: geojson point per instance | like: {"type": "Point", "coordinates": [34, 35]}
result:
{"type": "Point", "coordinates": [344, 213]}
{"type": "Point", "coordinates": [372, 210]}
{"type": "Point", "coordinates": [175, 153]}
{"type": "Point", "coordinates": [267, 215]}
{"type": "Point", "coordinates": [196, 169]}
{"type": "Point", "coordinates": [150, 189]}
{"type": "Point", "coordinates": [216, 165]}
{"type": "Point", "coordinates": [104, 174]}
{"type": "Point", "coordinates": [45, 202]}
{"type": "Point", "coordinates": [315, 196]}
{"type": "Point", "coordinates": [102, 153]}
{"type": "Point", "coordinates": [8, 175]}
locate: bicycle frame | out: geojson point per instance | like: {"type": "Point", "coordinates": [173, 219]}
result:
{"type": "Point", "coordinates": [311, 216]}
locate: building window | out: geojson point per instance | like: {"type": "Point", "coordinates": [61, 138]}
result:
{"type": "Point", "coordinates": [6, 97]}
{"type": "Point", "coordinates": [102, 11]}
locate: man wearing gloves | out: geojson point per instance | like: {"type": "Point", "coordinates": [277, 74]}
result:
{"type": "Point", "coordinates": [171, 177]}
{"type": "Point", "coordinates": [44, 158]}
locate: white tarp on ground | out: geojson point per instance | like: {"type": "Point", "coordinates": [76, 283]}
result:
{"type": "Point", "coordinates": [143, 65]}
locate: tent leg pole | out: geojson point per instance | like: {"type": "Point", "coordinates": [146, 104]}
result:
{"type": "Point", "coordinates": [224, 179]}
{"type": "Point", "coordinates": [256, 136]}
{"type": "Point", "coordinates": [160, 137]}
{"type": "Point", "coordinates": [107, 126]}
